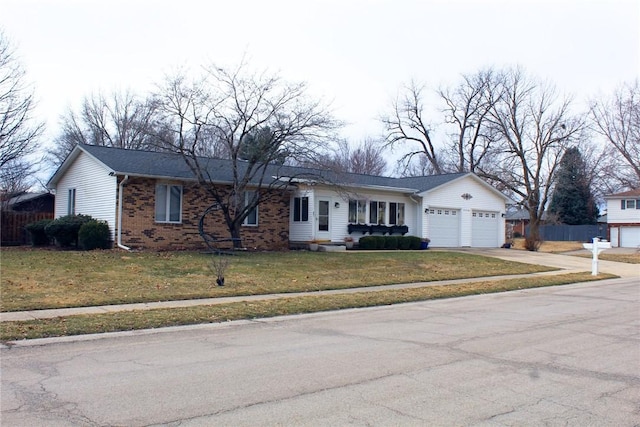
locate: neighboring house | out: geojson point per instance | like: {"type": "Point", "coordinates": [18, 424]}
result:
{"type": "Point", "coordinates": [20, 210]}
{"type": "Point", "coordinates": [623, 218]}
{"type": "Point", "coordinates": [518, 221]}
{"type": "Point", "coordinates": [151, 200]}
{"type": "Point", "coordinates": [31, 202]}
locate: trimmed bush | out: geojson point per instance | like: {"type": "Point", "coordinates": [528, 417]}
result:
{"type": "Point", "coordinates": [404, 242]}
{"type": "Point", "coordinates": [367, 242]}
{"type": "Point", "coordinates": [414, 242]}
{"type": "Point", "coordinates": [389, 242]}
{"type": "Point", "coordinates": [65, 229]}
{"type": "Point", "coordinates": [37, 232]}
{"type": "Point", "coordinates": [94, 234]}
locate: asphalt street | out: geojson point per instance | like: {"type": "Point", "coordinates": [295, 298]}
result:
{"type": "Point", "coordinates": [567, 355]}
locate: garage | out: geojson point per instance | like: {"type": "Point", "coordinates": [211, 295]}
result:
{"type": "Point", "coordinates": [629, 237]}
{"type": "Point", "coordinates": [484, 229]}
{"type": "Point", "coordinates": [444, 227]}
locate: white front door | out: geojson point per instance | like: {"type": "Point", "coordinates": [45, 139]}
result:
{"type": "Point", "coordinates": [323, 224]}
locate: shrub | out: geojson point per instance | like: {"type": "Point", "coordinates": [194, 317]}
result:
{"type": "Point", "coordinates": [36, 231]}
{"type": "Point", "coordinates": [367, 242]}
{"type": "Point", "coordinates": [65, 229]}
{"type": "Point", "coordinates": [414, 242]}
{"type": "Point", "coordinates": [404, 242]}
{"type": "Point", "coordinates": [94, 234]}
{"type": "Point", "coordinates": [391, 242]}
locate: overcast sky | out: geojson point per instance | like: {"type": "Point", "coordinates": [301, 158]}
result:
{"type": "Point", "coordinates": [355, 53]}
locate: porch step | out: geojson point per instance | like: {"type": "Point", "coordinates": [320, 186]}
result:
{"type": "Point", "coordinates": [331, 248]}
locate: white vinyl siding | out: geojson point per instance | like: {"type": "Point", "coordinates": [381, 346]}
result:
{"type": "Point", "coordinates": [617, 215]}
{"type": "Point", "coordinates": [450, 196]}
{"type": "Point", "coordinates": [95, 191]}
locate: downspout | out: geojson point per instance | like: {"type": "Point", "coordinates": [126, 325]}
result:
{"type": "Point", "coordinates": [119, 224]}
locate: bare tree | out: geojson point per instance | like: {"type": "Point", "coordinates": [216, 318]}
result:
{"type": "Point", "coordinates": [407, 125]}
{"type": "Point", "coordinates": [535, 126]}
{"type": "Point", "coordinates": [125, 120]}
{"type": "Point", "coordinates": [618, 120]}
{"type": "Point", "coordinates": [468, 105]}
{"type": "Point", "coordinates": [256, 120]}
{"type": "Point", "coordinates": [19, 132]}
{"type": "Point", "coordinates": [365, 158]}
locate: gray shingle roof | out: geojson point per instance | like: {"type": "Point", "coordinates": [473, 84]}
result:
{"type": "Point", "coordinates": [172, 165]}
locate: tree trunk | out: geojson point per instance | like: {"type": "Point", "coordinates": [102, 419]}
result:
{"type": "Point", "coordinates": [532, 240]}
{"type": "Point", "coordinates": [235, 235]}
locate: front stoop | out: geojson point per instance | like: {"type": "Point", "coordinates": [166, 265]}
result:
{"type": "Point", "coordinates": [331, 248]}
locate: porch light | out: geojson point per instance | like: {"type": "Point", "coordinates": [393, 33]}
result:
{"type": "Point", "coordinates": [336, 205]}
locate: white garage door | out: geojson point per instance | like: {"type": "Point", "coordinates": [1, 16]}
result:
{"type": "Point", "coordinates": [484, 229]}
{"type": "Point", "coordinates": [444, 228]}
{"type": "Point", "coordinates": [629, 237]}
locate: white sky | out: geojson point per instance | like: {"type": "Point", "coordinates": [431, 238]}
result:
{"type": "Point", "coordinates": [356, 53]}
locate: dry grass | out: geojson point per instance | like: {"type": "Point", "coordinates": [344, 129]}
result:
{"type": "Point", "coordinates": [550, 247]}
{"type": "Point", "coordinates": [123, 321]}
{"type": "Point", "coordinates": [36, 279]}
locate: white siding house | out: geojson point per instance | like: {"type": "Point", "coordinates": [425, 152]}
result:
{"type": "Point", "coordinates": [623, 219]}
{"type": "Point", "coordinates": [452, 210]}
{"type": "Point", "coordinates": [87, 188]}
{"type": "Point", "coordinates": [460, 210]}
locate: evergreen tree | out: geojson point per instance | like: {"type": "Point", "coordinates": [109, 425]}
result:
{"type": "Point", "coordinates": [572, 200]}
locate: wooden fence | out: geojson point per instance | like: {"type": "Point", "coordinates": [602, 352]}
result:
{"type": "Point", "coordinates": [12, 231]}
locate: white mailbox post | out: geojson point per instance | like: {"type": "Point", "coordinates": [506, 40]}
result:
{"type": "Point", "coordinates": [596, 247]}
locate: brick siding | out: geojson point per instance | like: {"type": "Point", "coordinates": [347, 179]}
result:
{"type": "Point", "coordinates": [140, 231]}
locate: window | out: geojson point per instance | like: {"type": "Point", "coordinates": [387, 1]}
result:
{"type": "Point", "coordinates": [71, 203]}
{"type": "Point", "coordinates": [377, 212]}
{"type": "Point", "coordinates": [396, 213]}
{"type": "Point", "coordinates": [323, 215]}
{"type": "Point", "coordinates": [357, 211]}
{"type": "Point", "coordinates": [252, 218]}
{"type": "Point", "coordinates": [300, 209]}
{"type": "Point", "coordinates": [630, 204]}
{"type": "Point", "coordinates": [168, 203]}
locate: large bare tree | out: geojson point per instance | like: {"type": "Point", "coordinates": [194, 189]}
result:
{"type": "Point", "coordinates": [617, 119]}
{"type": "Point", "coordinates": [468, 105]}
{"type": "Point", "coordinates": [19, 131]}
{"type": "Point", "coordinates": [123, 120]}
{"type": "Point", "coordinates": [408, 126]}
{"type": "Point", "coordinates": [367, 158]}
{"type": "Point", "coordinates": [258, 121]}
{"type": "Point", "coordinates": [534, 125]}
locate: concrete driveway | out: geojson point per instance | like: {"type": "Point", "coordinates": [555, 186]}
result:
{"type": "Point", "coordinates": [565, 261]}
{"type": "Point", "coordinates": [566, 355]}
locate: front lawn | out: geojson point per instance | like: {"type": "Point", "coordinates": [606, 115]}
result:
{"type": "Point", "coordinates": [37, 279]}
{"type": "Point", "coordinates": [146, 319]}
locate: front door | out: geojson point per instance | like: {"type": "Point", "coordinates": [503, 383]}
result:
{"type": "Point", "coordinates": [323, 219]}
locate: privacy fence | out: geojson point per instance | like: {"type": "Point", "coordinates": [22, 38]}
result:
{"type": "Point", "coordinates": [12, 231]}
{"type": "Point", "coordinates": [572, 233]}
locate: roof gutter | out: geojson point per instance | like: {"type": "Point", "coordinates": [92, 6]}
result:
{"type": "Point", "coordinates": [119, 222]}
